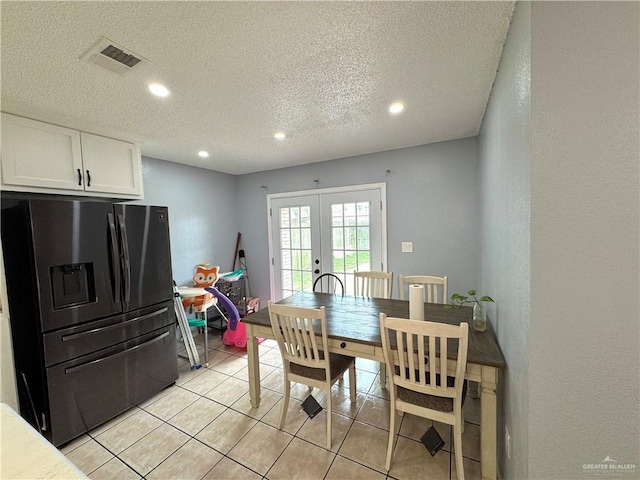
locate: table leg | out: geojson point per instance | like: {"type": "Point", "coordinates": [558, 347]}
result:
{"type": "Point", "coordinates": [488, 423]}
{"type": "Point", "coordinates": [383, 375]}
{"type": "Point", "coordinates": [254, 368]}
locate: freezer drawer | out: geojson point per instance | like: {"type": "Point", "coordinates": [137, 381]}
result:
{"type": "Point", "coordinates": [73, 342]}
{"type": "Point", "coordinates": [88, 391]}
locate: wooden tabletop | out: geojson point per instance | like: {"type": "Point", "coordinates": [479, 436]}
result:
{"type": "Point", "coordinates": [356, 319]}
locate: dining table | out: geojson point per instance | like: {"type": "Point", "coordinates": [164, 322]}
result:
{"type": "Point", "coordinates": [353, 328]}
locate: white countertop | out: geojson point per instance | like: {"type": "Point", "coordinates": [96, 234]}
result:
{"type": "Point", "coordinates": [24, 453]}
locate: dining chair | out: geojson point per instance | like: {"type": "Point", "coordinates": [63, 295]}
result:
{"type": "Point", "coordinates": [304, 359]}
{"type": "Point", "coordinates": [418, 350]}
{"type": "Point", "coordinates": [435, 287]}
{"type": "Point", "coordinates": [373, 284]}
{"type": "Point", "coordinates": [328, 283]}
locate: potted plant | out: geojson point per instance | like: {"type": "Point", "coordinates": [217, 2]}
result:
{"type": "Point", "coordinates": [479, 313]}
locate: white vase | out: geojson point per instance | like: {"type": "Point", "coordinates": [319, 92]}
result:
{"type": "Point", "coordinates": [479, 317]}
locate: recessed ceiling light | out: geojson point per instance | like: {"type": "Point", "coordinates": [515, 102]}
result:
{"type": "Point", "coordinates": [279, 135]}
{"type": "Point", "coordinates": [396, 107]}
{"type": "Point", "coordinates": [159, 90]}
{"type": "Point", "coordinates": [203, 154]}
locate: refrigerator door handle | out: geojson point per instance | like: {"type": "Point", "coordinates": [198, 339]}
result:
{"type": "Point", "coordinates": [126, 263]}
{"type": "Point", "coordinates": [114, 257]}
{"type": "Point", "coordinates": [67, 371]}
{"type": "Point", "coordinates": [75, 336]}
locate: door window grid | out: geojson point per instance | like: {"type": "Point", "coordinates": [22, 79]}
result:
{"type": "Point", "coordinates": [295, 249]}
{"type": "Point", "coordinates": [350, 240]}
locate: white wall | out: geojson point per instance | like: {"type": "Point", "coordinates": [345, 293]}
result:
{"type": "Point", "coordinates": [584, 388]}
{"type": "Point", "coordinates": [505, 231]}
{"type": "Point", "coordinates": [432, 200]}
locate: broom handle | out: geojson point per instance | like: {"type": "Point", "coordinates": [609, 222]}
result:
{"type": "Point", "coordinates": [235, 254]}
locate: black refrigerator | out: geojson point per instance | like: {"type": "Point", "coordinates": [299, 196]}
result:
{"type": "Point", "coordinates": [91, 308]}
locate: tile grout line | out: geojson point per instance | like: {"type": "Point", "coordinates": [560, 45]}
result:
{"type": "Point", "coordinates": [295, 434]}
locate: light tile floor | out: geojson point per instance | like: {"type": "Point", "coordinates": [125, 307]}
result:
{"type": "Point", "coordinates": [203, 427]}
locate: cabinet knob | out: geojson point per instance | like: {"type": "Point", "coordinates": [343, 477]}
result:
{"type": "Point", "coordinates": [343, 345]}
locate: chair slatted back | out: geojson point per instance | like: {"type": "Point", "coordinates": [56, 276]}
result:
{"type": "Point", "coordinates": [373, 284]}
{"type": "Point", "coordinates": [421, 348]}
{"type": "Point", "coordinates": [432, 287]}
{"type": "Point", "coordinates": [296, 330]}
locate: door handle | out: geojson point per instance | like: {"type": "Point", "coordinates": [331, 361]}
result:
{"type": "Point", "coordinates": [88, 179]}
{"type": "Point", "coordinates": [79, 177]}
{"type": "Point", "coordinates": [126, 263]}
{"type": "Point", "coordinates": [115, 264]}
{"type": "Point", "coordinates": [67, 371]}
{"type": "Point", "coordinates": [75, 336]}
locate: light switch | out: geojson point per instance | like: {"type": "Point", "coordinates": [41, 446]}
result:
{"type": "Point", "coordinates": [407, 247]}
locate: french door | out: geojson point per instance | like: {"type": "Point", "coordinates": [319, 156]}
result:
{"type": "Point", "coordinates": [337, 231]}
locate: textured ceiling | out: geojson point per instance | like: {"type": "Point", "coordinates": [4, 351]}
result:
{"type": "Point", "coordinates": [323, 72]}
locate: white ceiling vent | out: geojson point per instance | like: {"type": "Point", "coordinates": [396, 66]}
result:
{"type": "Point", "coordinates": [110, 55]}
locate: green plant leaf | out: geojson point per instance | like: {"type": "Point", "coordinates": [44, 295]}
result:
{"type": "Point", "coordinates": [447, 307]}
{"type": "Point", "coordinates": [472, 293]}
{"type": "Point", "coordinates": [486, 298]}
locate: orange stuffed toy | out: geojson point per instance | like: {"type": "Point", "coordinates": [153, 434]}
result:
{"type": "Point", "coordinates": [206, 276]}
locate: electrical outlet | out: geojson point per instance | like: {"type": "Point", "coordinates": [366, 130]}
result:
{"type": "Point", "coordinates": [407, 247]}
{"type": "Point", "coordinates": [507, 442]}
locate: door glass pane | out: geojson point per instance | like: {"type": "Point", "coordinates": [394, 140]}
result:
{"type": "Point", "coordinates": [305, 217]}
{"type": "Point", "coordinates": [285, 238]}
{"type": "Point", "coordinates": [350, 238]}
{"type": "Point", "coordinates": [307, 281]}
{"type": "Point", "coordinates": [363, 238]}
{"type": "Point", "coordinates": [305, 239]}
{"type": "Point", "coordinates": [295, 249]}
{"type": "Point", "coordinates": [336, 215]}
{"type": "Point", "coordinates": [284, 218]}
{"type": "Point", "coordinates": [333, 232]}
{"type": "Point", "coordinates": [295, 238]}
{"type": "Point", "coordinates": [305, 260]}
{"type": "Point", "coordinates": [350, 231]}
{"type": "Point", "coordinates": [295, 216]}
{"type": "Point", "coordinates": [362, 213]}
{"type": "Point", "coordinates": [364, 261]}
{"type": "Point", "coordinates": [286, 259]}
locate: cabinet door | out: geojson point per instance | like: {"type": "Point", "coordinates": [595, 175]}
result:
{"type": "Point", "coordinates": [38, 154]}
{"type": "Point", "coordinates": [111, 166]}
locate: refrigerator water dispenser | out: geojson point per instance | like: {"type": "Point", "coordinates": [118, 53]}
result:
{"type": "Point", "coordinates": [72, 285]}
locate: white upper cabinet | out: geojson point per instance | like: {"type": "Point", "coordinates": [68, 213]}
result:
{"type": "Point", "coordinates": [45, 158]}
{"type": "Point", "coordinates": [110, 166]}
{"type": "Point", "coordinates": [38, 154]}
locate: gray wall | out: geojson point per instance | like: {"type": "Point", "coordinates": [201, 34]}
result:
{"type": "Point", "coordinates": [202, 214]}
{"type": "Point", "coordinates": [584, 387]}
{"type": "Point", "coordinates": [432, 200]}
{"type": "Point", "coordinates": [559, 150]}
{"type": "Point", "coordinates": [504, 239]}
